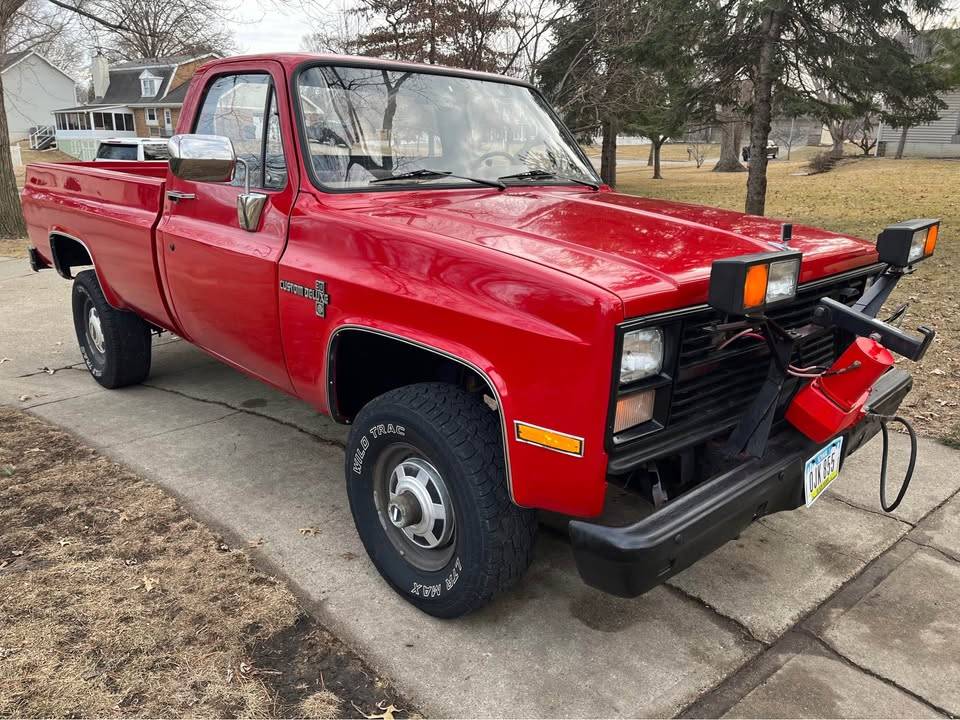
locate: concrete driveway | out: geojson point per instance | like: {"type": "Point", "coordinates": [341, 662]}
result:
{"type": "Point", "coordinates": [839, 610]}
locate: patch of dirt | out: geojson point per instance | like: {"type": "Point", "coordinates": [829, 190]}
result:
{"type": "Point", "coordinates": [115, 602]}
{"type": "Point", "coordinates": [313, 671]}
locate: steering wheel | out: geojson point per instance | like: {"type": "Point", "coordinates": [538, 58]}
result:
{"type": "Point", "coordinates": [486, 157]}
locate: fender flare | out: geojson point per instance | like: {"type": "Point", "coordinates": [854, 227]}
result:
{"type": "Point", "coordinates": [65, 273]}
{"type": "Point", "coordinates": [494, 389]}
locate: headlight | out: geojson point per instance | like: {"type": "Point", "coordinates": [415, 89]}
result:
{"type": "Point", "coordinates": [642, 354]}
{"type": "Point", "coordinates": [782, 280]}
{"type": "Point", "coordinates": [752, 283]}
{"type": "Point", "coordinates": [908, 242]}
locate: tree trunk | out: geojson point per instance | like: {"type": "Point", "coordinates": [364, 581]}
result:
{"type": "Point", "coordinates": [837, 149]}
{"type": "Point", "coordinates": [793, 125]}
{"type": "Point", "coordinates": [731, 122]}
{"type": "Point", "coordinates": [650, 156]}
{"type": "Point", "coordinates": [903, 143]}
{"type": "Point", "coordinates": [608, 153]}
{"type": "Point", "coordinates": [11, 217]}
{"type": "Point", "coordinates": [836, 135]}
{"type": "Point", "coordinates": [731, 132]}
{"type": "Point", "coordinates": [656, 146]}
{"type": "Point", "coordinates": [763, 110]}
{"type": "Point", "coordinates": [432, 40]}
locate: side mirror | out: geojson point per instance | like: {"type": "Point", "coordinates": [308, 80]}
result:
{"type": "Point", "coordinates": [202, 158]}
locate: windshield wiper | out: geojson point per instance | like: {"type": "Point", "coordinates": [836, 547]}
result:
{"type": "Point", "coordinates": [425, 174]}
{"type": "Point", "coordinates": [547, 175]}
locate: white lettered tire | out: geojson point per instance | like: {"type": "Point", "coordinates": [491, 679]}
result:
{"type": "Point", "coordinates": [431, 456]}
{"type": "Point", "coordinates": [115, 344]}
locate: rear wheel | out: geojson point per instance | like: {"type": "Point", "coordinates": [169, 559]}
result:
{"type": "Point", "coordinates": [429, 496]}
{"type": "Point", "coordinates": [115, 344]}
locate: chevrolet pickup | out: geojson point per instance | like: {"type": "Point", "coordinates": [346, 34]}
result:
{"type": "Point", "coordinates": [427, 255]}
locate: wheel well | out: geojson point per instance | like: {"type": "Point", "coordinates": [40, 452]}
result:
{"type": "Point", "coordinates": [68, 253]}
{"type": "Point", "coordinates": [365, 365]}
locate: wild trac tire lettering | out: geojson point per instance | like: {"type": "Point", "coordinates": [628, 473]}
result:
{"type": "Point", "coordinates": [375, 431]}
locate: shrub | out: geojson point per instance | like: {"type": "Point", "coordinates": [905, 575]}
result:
{"type": "Point", "coordinates": [821, 163]}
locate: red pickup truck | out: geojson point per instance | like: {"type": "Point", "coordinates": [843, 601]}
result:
{"type": "Point", "coordinates": [427, 255]}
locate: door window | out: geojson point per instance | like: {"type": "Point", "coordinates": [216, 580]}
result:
{"type": "Point", "coordinates": [243, 108]}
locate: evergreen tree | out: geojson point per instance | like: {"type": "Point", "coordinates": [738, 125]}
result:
{"type": "Point", "coordinates": [835, 52]}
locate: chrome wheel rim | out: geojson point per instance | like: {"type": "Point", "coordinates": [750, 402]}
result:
{"type": "Point", "coordinates": [95, 330]}
{"type": "Point", "coordinates": [415, 508]}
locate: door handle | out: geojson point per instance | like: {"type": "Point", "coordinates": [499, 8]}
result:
{"type": "Point", "coordinates": [176, 195]}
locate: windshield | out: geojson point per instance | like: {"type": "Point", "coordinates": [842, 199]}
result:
{"type": "Point", "coordinates": [366, 124]}
{"type": "Point", "coordinates": [115, 151]}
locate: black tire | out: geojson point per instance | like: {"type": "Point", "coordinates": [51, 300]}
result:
{"type": "Point", "coordinates": [459, 437]}
{"type": "Point", "coordinates": [123, 355]}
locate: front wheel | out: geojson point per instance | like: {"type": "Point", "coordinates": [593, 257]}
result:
{"type": "Point", "coordinates": [115, 344]}
{"type": "Point", "coordinates": [428, 493]}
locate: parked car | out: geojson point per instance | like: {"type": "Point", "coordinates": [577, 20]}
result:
{"type": "Point", "coordinates": [426, 255]}
{"type": "Point", "coordinates": [772, 150]}
{"type": "Point", "coordinates": [132, 150]}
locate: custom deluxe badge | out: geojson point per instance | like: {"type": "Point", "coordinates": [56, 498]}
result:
{"type": "Point", "coordinates": [318, 293]}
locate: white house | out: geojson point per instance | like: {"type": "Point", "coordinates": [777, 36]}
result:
{"type": "Point", "coordinates": [940, 138]}
{"type": "Point", "coordinates": [33, 88]}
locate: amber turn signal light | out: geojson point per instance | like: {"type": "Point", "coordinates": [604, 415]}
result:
{"type": "Point", "coordinates": [752, 283]}
{"type": "Point", "coordinates": [905, 243]}
{"type": "Point", "coordinates": [550, 439]}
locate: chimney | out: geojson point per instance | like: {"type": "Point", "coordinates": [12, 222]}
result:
{"type": "Point", "coordinates": [100, 71]}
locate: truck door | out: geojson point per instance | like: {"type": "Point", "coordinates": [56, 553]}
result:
{"type": "Point", "coordinates": [220, 278]}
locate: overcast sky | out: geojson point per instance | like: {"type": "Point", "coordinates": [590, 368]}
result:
{"type": "Point", "coordinates": [265, 27]}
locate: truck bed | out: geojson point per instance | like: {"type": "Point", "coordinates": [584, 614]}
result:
{"type": "Point", "coordinates": [112, 209]}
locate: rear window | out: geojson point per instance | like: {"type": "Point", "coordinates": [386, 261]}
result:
{"type": "Point", "coordinates": [115, 151]}
{"type": "Point", "coordinates": [156, 151]}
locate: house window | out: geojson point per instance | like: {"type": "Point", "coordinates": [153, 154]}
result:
{"type": "Point", "coordinates": [151, 116]}
{"type": "Point", "coordinates": [149, 84]}
{"type": "Point", "coordinates": [108, 121]}
{"type": "Point", "coordinates": [127, 121]}
{"type": "Point", "coordinates": [98, 121]}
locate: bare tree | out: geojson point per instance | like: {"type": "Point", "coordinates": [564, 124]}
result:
{"type": "Point", "coordinates": [337, 31]}
{"type": "Point", "coordinates": [136, 29]}
{"type": "Point", "coordinates": [864, 136]}
{"type": "Point", "coordinates": [531, 25]}
{"type": "Point", "coordinates": [48, 30]}
{"type": "Point", "coordinates": [695, 149]}
{"type": "Point", "coordinates": [787, 133]}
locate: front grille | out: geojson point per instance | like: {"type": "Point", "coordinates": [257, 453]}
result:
{"type": "Point", "coordinates": [707, 390]}
{"type": "Point", "coordinates": [713, 386]}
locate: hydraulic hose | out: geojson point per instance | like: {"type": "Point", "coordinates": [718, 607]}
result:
{"type": "Point", "coordinates": [884, 420]}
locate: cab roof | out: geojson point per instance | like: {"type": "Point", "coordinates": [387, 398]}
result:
{"type": "Point", "coordinates": [294, 61]}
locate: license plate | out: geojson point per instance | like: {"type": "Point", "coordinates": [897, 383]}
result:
{"type": "Point", "coordinates": [821, 470]}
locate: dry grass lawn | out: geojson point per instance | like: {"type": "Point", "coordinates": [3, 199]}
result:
{"type": "Point", "coordinates": [115, 602]}
{"type": "Point", "coordinates": [860, 197]}
{"type": "Point", "coordinates": [16, 248]}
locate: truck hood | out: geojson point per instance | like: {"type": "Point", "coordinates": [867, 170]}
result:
{"type": "Point", "coordinates": [654, 255]}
